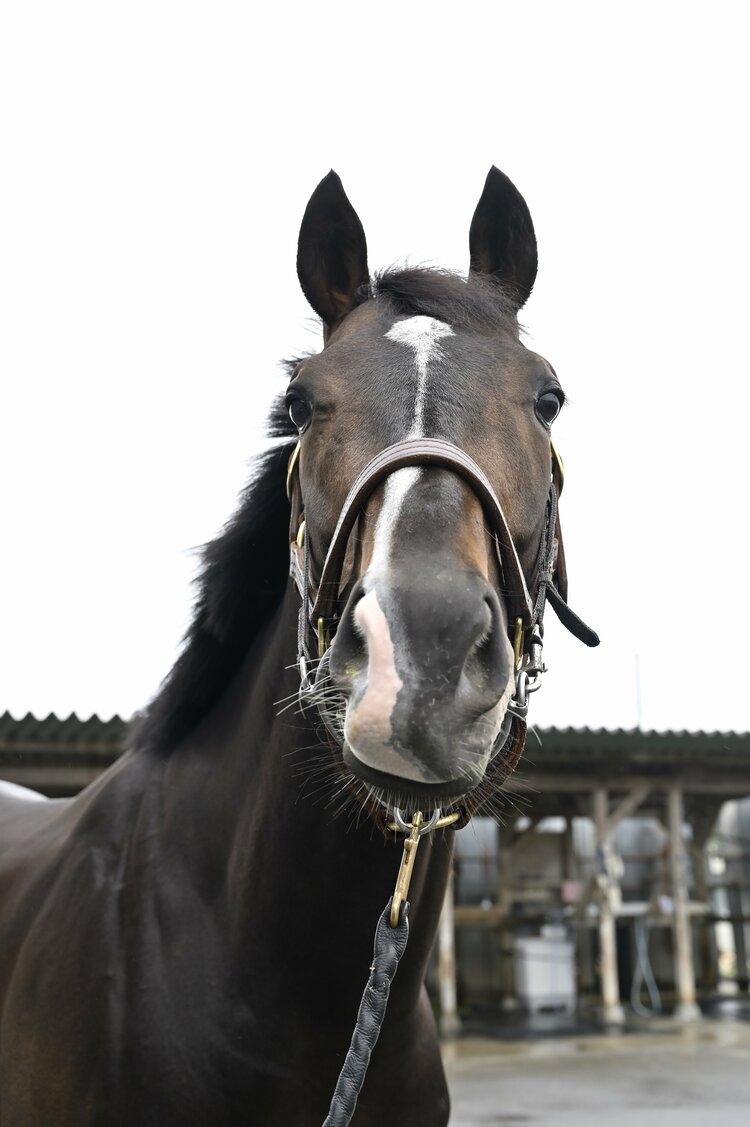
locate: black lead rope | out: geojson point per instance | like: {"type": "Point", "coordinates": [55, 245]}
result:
{"type": "Point", "coordinates": [390, 944]}
{"type": "Point", "coordinates": [391, 935]}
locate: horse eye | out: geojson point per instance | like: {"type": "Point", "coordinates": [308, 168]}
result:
{"type": "Point", "coordinates": [300, 412]}
{"type": "Point", "coordinates": [548, 407]}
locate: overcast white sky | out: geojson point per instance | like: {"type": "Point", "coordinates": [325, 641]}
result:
{"type": "Point", "coordinates": [156, 161]}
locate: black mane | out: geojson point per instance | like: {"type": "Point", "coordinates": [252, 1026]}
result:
{"type": "Point", "coordinates": [244, 570]}
{"type": "Point", "coordinates": [242, 579]}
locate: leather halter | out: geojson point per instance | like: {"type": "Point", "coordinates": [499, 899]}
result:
{"type": "Point", "coordinates": [420, 452]}
{"type": "Point", "coordinates": [319, 607]}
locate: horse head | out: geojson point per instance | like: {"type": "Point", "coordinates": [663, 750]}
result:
{"type": "Point", "coordinates": [421, 497]}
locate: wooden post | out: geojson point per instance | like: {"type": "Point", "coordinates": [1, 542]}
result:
{"type": "Point", "coordinates": [706, 945]}
{"type": "Point", "coordinates": [686, 1008]}
{"type": "Point", "coordinates": [505, 900]}
{"type": "Point", "coordinates": [734, 899]}
{"type": "Point", "coordinates": [585, 958]}
{"type": "Point", "coordinates": [450, 1023]}
{"type": "Point", "coordinates": [566, 849]}
{"type": "Point", "coordinates": [612, 1008]}
{"type": "Point", "coordinates": [505, 869]}
{"type": "Point", "coordinates": [704, 820]}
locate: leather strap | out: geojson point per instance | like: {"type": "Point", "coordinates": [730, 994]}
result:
{"type": "Point", "coordinates": [438, 452]}
{"type": "Point", "coordinates": [422, 452]}
{"type": "Point", "coordinates": [548, 568]}
{"type": "Point", "coordinates": [569, 618]}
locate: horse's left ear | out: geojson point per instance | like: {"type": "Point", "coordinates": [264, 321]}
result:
{"type": "Point", "coordinates": [332, 252]}
{"type": "Point", "coordinates": [501, 239]}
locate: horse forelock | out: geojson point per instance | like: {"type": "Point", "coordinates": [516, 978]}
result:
{"type": "Point", "coordinates": [478, 301]}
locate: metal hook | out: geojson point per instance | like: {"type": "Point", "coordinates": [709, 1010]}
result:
{"type": "Point", "coordinates": [406, 868]}
{"type": "Point", "coordinates": [407, 827]}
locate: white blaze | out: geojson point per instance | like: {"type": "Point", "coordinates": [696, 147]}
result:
{"type": "Point", "coordinates": [422, 335]}
{"type": "Point", "coordinates": [368, 727]}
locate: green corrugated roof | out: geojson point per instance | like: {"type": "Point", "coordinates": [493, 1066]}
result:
{"type": "Point", "coordinates": [52, 730]}
{"type": "Point", "coordinates": [620, 739]}
{"type": "Point", "coordinates": [557, 743]}
{"type": "Point", "coordinates": [60, 755]}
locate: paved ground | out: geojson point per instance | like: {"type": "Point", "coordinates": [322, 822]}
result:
{"type": "Point", "coordinates": [696, 1076]}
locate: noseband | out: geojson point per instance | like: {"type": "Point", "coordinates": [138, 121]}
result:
{"type": "Point", "coordinates": [319, 609]}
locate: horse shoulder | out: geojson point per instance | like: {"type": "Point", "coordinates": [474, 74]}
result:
{"type": "Point", "coordinates": [63, 866]}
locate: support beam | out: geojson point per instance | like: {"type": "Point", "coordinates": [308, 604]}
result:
{"type": "Point", "coordinates": [505, 868]}
{"type": "Point", "coordinates": [627, 806]}
{"type": "Point", "coordinates": [706, 939]}
{"type": "Point", "coordinates": [450, 1023]}
{"type": "Point", "coordinates": [520, 840]}
{"type": "Point", "coordinates": [581, 935]}
{"type": "Point", "coordinates": [687, 1008]}
{"type": "Point", "coordinates": [505, 899]}
{"type": "Point", "coordinates": [567, 856]}
{"type": "Point", "coordinates": [613, 1011]}
{"type": "Point", "coordinates": [734, 896]}
{"type": "Point", "coordinates": [719, 783]}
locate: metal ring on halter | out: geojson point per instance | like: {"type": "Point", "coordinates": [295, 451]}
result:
{"type": "Point", "coordinates": [305, 683]}
{"type": "Point", "coordinates": [502, 737]}
{"type": "Point", "coordinates": [405, 826]}
{"type": "Point", "coordinates": [520, 700]}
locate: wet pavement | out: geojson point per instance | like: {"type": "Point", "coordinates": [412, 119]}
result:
{"type": "Point", "coordinates": [695, 1075]}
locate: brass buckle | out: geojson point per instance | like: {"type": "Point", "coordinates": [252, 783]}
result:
{"type": "Point", "coordinates": [290, 471]}
{"type": "Point", "coordinates": [557, 463]}
{"type": "Point", "coordinates": [438, 821]}
{"type": "Point", "coordinates": [324, 638]}
{"type": "Point", "coordinates": [417, 829]}
{"type": "Point", "coordinates": [406, 868]}
{"type": "Point", "coordinates": [518, 645]}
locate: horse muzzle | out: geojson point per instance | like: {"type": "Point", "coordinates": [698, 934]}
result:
{"type": "Point", "coordinates": [427, 675]}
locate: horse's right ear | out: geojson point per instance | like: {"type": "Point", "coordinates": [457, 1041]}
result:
{"type": "Point", "coordinates": [332, 252]}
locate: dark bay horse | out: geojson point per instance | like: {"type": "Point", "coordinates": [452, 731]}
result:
{"type": "Point", "coordinates": [186, 941]}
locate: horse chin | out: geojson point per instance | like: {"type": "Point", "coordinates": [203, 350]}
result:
{"type": "Point", "coordinates": [403, 776]}
{"type": "Point", "coordinates": [397, 790]}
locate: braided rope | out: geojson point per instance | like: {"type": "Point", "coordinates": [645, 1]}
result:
{"type": "Point", "coordinates": [390, 944]}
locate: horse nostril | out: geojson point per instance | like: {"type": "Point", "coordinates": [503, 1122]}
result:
{"type": "Point", "coordinates": [484, 630]}
{"type": "Point", "coordinates": [349, 649]}
{"type": "Point", "coordinates": [491, 614]}
{"type": "Point", "coordinates": [484, 675]}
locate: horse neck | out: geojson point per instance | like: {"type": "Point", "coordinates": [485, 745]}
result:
{"type": "Point", "coordinates": [301, 886]}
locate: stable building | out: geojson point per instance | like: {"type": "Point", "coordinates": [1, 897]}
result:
{"type": "Point", "coordinates": [618, 875]}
